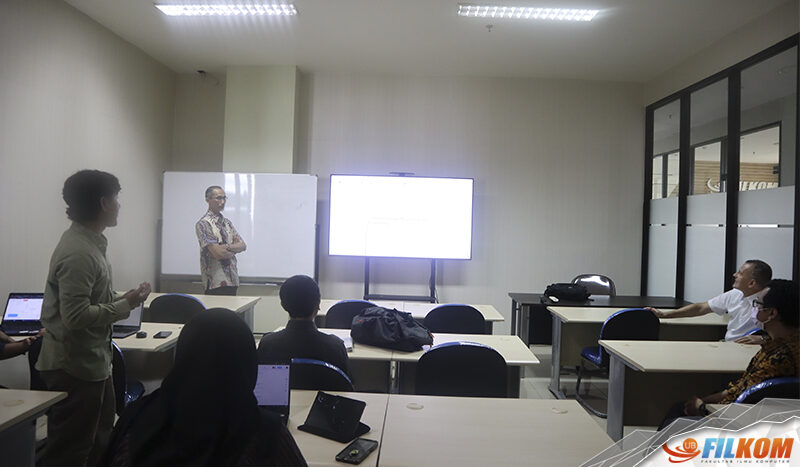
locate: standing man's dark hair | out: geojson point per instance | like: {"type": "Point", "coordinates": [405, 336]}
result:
{"type": "Point", "coordinates": [762, 273]}
{"type": "Point", "coordinates": [210, 190]}
{"type": "Point", "coordinates": [84, 190]}
{"type": "Point", "coordinates": [79, 308]}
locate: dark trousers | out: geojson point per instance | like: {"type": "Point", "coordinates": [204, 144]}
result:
{"type": "Point", "coordinates": [224, 290]}
{"type": "Point", "coordinates": [78, 427]}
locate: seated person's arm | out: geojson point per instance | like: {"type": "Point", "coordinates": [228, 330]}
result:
{"type": "Point", "coordinates": [14, 348]}
{"type": "Point", "coordinates": [695, 309]}
{"type": "Point", "coordinates": [757, 339]}
{"type": "Point", "coordinates": [697, 406]}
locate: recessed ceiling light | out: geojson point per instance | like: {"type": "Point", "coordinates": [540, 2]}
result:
{"type": "Point", "coordinates": [226, 9]}
{"type": "Point", "coordinates": [495, 11]}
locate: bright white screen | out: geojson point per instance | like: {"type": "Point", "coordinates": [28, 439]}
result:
{"type": "Point", "coordinates": [401, 217]}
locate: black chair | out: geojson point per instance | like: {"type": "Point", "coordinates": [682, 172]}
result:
{"type": "Point", "coordinates": [340, 315]}
{"type": "Point", "coordinates": [37, 383]}
{"type": "Point", "coordinates": [635, 324]}
{"type": "Point", "coordinates": [308, 373]}
{"type": "Point", "coordinates": [462, 369]}
{"type": "Point", "coordinates": [125, 391]}
{"type": "Point", "coordinates": [596, 284]}
{"type": "Point", "coordinates": [787, 387]}
{"type": "Point", "coordinates": [173, 308]}
{"type": "Point", "coordinates": [455, 318]}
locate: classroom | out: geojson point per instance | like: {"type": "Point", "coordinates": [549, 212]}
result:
{"type": "Point", "coordinates": [571, 132]}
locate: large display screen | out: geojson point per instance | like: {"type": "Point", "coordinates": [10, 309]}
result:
{"type": "Point", "coordinates": [401, 217]}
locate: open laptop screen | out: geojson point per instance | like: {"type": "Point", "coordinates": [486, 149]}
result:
{"type": "Point", "coordinates": [272, 389]}
{"type": "Point", "coordinates": [24, 307]}
{"type": "Point", "coordinates": [133, 320]}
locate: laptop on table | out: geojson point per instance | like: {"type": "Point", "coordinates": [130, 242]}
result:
{"type": "Point", "coordinates": [23, 313]}
{"type": "Point", "coordinates": [272, 389]}
{"type": "Point", "coordinates": [130, 325]}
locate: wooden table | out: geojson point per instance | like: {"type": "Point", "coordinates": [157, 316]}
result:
{"type": "Point", "coordinates": [460, 431]}
{"type": "Point", "coordinates": [242, 305]}
{"type": "Point", "coordinates": [577, 327]}
{"type": "Point", "coordinates": [322, 451]}
{"type": "Point", "coordinates": [647, 377]}
{"type": "Point", "coordinates": [419, 310]}
{"type": "Point", "coordinates": [528, 307]}
{"type": "Point", "coordinates": [18, 412]}
{"type": "Point", "coordinates": [149, 343]}
{"type": "Point", "coordinates": [515, 353]}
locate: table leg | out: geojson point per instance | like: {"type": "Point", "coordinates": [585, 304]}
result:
{"type": "Point", "coordinates": [248, 316]}
{"type": "Point", "coordinates": [616, 397]}
{"type": "Point", "coordinates": [513, 317]}
{"type": "Point", "coordinates": [555, 361]}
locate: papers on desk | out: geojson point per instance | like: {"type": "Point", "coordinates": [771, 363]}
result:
{"type": "Point", "coordinates": [348, 342]}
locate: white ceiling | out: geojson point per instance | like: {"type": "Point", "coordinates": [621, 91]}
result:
{"type": "Point", "coordinates": [629, 40]}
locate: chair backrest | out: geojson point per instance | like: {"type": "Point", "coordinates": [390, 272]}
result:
{"type": "Point", "coordinates": [340, 315]}
{"type": "Point", "coordinates": [777, 388]}
{"type": "Point", "coordinates": [632, 324]}
{"type": "Point", "coordinates": [307, 373]}
{"type": "Point", "coordinates": [36, 383]}
{"type": "Point", "coordinates": [462, 369]}
{"type": "Point", "coordinates": [455, 318]}
{"type": "Point", "coordinates": [173, 308]}
{"type": "Point", "coordinates": [119, 377]}
{"type": "Point", "coordinates": [596, 284]}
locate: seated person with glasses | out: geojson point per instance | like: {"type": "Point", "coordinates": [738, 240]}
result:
{"type": "Point", "coordinates": [300, 297]}
{"type": "Point", "coordinates": [779, 356]}
{"type": "Point", "coordinates": [748, 285]}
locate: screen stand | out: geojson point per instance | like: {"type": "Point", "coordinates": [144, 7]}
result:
{"type": "Point", "coordinates": [415, 298]}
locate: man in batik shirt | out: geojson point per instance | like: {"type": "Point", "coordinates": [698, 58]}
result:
{"type": "Point", "coordinates": [219, 244]}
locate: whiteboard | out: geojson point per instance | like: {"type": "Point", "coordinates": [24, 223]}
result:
{"type": "Point", "coordinates": [275, 214]}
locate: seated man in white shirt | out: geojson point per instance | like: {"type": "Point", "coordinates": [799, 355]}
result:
{"type": "Point", "coordinates": [748, 285]}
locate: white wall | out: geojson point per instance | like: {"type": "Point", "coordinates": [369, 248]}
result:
{"type": "Point", "coordinates": [73, 96]}
{"type": "Point", "coordinates": [746, 41]}
{"type": "Point", "coordinates": [199, 122]}
{"type": "Point", "coordinates": [557, 167]}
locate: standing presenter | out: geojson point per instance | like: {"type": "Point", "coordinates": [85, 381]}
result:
{"type": "Point", "coordinates": [219, 244]}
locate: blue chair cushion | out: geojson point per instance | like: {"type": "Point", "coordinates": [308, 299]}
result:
{"type": "Point", "coordinates": [593, 354]}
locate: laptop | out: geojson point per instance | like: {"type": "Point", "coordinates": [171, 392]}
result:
{"type": "Point", "coordinates": [272, 389]}
{"type": "Point", "coordinates": [23, 313]}
{"type": "Point", "coordinates": [130, 325]}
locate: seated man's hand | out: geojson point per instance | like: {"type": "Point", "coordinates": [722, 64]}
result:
{"type": "Point", "coordinates": [752, 339]}
{"type": "Point", "coordinates": [656, 311]}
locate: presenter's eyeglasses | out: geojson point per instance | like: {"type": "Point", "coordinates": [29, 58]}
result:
{"type": "Point", "coordinates": [759, 305]}
{"type": "Point", "coordinates": [221, 198]}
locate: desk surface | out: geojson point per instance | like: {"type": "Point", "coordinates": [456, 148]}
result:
{"type": "Point", "coordinates": [321, 451]}
{"type": "Point", "coordinates": [597, 315]}
{"type": "Point", "coordinates": [417, 309]}
{"type": "Point", "coordinates": [683, 357]}
{"type": "Point", "coordinates": [511, 348]}
{"type": "Point", "coordinates": [618, 301]}
{"type": "Point", "coordinates": [17, 405]}
{"type": "Point", "coordinates": [481, 431]}
{"type": "Point", "coordinates": [150, 344]}
{"type": "Point", "coordinates": [238, 304]}
{"type": "Point", "coordinates": [360, 351]}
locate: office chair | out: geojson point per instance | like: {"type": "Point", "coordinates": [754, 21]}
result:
{"type": "Point", "coordinates": [173, 308]}
{"type": "Point", "coordinates": [455, 318]}
{"type": "Point", "coordinates": [632, 324]}
{"type": "Point", "coordinates": [596, 284]}
{"type": "Point", "coordinates": [308, 373]}
{"type": "Point", "coordinates": [341, 314]}
{"type": "Point", "coordinates": [787, 387]}
{"type": "Point", "coordinates": [125, 391]}
{"type": "Point", "coordinates": [462, 369]}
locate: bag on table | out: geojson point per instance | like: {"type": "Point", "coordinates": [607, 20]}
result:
{"type": "Point", "coordinates": [567, 291]}
{"type": "Point", "coordinates": [390, 329]}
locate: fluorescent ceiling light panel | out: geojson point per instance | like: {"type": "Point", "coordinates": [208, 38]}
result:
{"type": "Point", "coordinates": [228, 9]}
{"type": "Point", "coordinates": [495, 11]}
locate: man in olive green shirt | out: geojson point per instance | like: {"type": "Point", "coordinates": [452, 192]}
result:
{"type": "Point", "coordinates": [78, 311]}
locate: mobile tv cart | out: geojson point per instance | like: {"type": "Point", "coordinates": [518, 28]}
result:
{"type": "Point", "coordinates": [416, 298]}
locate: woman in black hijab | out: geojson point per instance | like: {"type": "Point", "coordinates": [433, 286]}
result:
{"type": "Point", "coordinates": [205, 413]}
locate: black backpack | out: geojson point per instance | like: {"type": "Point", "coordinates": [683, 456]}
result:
{"type": "Point", "coordinates": [390, 329]}
{"type": "Point", "coordinates": [568, 292]}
